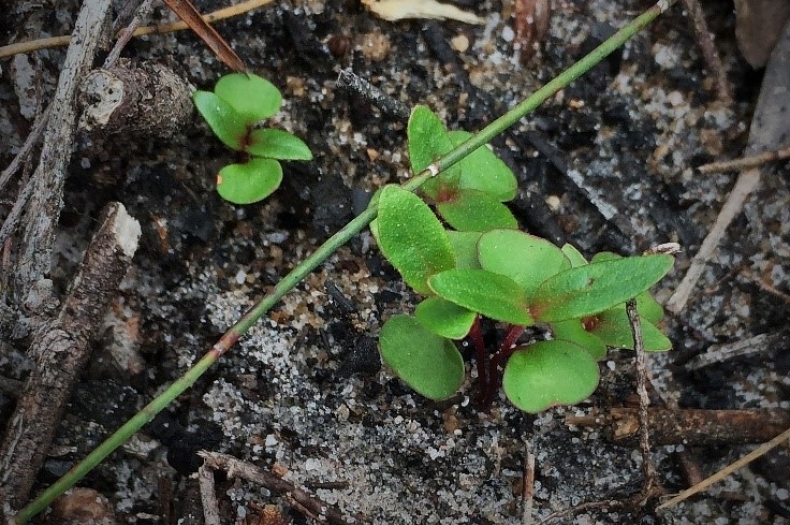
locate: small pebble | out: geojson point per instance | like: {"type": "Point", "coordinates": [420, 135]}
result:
{"type": "Point", "coordinates": [460, 43]}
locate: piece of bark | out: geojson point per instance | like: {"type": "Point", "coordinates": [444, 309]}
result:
{"type": "Point", "coordinates": [149, 99]}
{"type": "Point", "coordinates": [39, 223]}
{"type": "Point", "coordinates": [61, 352]}
{"type": "Point", "coordinates": [692, 426]}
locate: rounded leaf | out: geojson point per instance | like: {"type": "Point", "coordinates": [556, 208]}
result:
{"type": "Point", "coordinates": [587, 290]}
{"type": "Point", "coordinates": [527, 259]}
{"type": "Point", "coordinates": [487, 293]}
{"type": "Point", "coordinates": [253, 97]}
{"type": "Point", "coordinates": [474, 210]}
{"type": "Point", "coordinates": [428, 363]}
{"type": "Point", "coordinates": [412, 238]}
{"type": "Point", "coordinates": [445, 318]}
{"type": "Point", "coordinates": [277, 144]}
{"type": "Point", "coordinates": [549, 373]}
{"type": "Point", "coordinates": [250, 182]}
{"type": "Point", "coordinates": [483, 170]}
{"type": "Point", "coordinates": [224, 121]}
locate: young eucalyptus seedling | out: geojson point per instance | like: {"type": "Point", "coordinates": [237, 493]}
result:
{"type": "Point", "coordinates": [237, 104]}
{"type": "Point", "coordinates": [484, 267]}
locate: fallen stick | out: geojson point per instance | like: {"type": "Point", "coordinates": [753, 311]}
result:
{"type": "Point", "coordinates": [61, 352]}
{"type": "Point", "coordinates": [691, 426]}
{"type": "Point", "coordinates": [241, 469]}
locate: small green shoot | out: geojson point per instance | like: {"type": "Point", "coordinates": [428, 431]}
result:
{"type": "Point", "coordinates": [238, 103]}
{"type": "Point", "coordinates": [468, 195]}
{"type": "Point", "coordinates": [485, 267]}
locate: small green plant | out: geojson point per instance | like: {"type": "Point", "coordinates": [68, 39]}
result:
{"type": "Point", "coordinates": [239, 102]}
{"type": "Point", "coordinates": [484, 267]}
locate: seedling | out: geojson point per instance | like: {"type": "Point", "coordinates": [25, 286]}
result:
{"type": "Point", "coordinates": [238, 103]}
{"type": "Point", "coordinates": [487, 268]}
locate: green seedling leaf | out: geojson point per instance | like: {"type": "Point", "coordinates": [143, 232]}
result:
{"type": "Point", "coordinates": [428, 363]}
{"type": "Point", "coordinates": [474, 210]}
{"type": "Point", "coordinates": [445, 318]}
{"type": "Point", "coordinates": [646, 305]}
{"type": "Point", "coordinates": [487, 293]}
{"type": "Point", "coordinates": [428, 140]}
{"type": "Point", "coordinates": [465, 248]}
{"type": "Point", "coordinates": [549, 373]}
{"type": "Point", "coordinates": [587, 290]}
{"type": "Point", "coordinates": [483, 170]}
{"type": "Point", "coordinates": [224, 121]}
{"type": "Point", "coordinates": [253, 97]}
{"type": "Point", "coordinates": [277, 144]}
{"type": "Point", "coordinates": [613, 328]}
{"type": "Point", "coordinates": [412, 238]}
{"type": "Point", "coordinates": [574, 256]}
{"type": "Point", "coordinates": [526, 259]}
{"type": "Point", "coordinates": [573, 330]}
{"type": "Point", "coordinates": [250, 182]}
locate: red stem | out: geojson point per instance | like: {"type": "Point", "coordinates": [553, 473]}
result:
{"type": "Point", "coordinates": [476, 335]}
{"type": "Point", "coordinates": [505, 351]}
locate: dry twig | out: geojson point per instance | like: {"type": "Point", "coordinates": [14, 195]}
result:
{"type": "Point", "coordinates": [709, 52]}
{"type": "Point", "coordinates": [208, 496]}
{"type": "Point", "coordinates": [62, 350]}
{"type": "Point", "coordinates": [723, 473]}
{"type": "Point", "coordinates": [59, 41]}
{"type": "Point", "coordinates": [650, 487]}
{"type": "Point", "coordinates": [241, 469]}
{"type": "Point", "coordinates": [751, 161]}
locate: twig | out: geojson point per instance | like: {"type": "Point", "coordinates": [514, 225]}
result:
{"type": "Point", "coordinates": [126, 34]}
{"type": "Point", "coordinates": [59, 41]}
{"type": "Point", "coordinates": [61, 352]}
{"type": "Point", "coordinates": [528, 488]}
{"type": "Point", "coordinates": [208, 496]}
{"type": "Point", "coordinates": [248, 471]}
{"type": "Point", "coordinates": [747, 182]}
{"type": "Point", "coordinates": [749, 274]}
{"type": "Point", "coordinates": [40, 218]}
{"type": "Point", "coordinates": [372, 94]}
{"type": "Point", "coordinates": [648, 470]}
{"type": "Point", "coordinates": [726, 471]}
{"type": "Point", "coordinates": [709, 52]}
{"type": "Point", "coordinates": [717, 354]}
{"type": "Point", "coordinates": [693, 427]}
{"type": "Point", "coordinates": [751, 161]}
{"type": "Point", "coordinates": [24, 152]}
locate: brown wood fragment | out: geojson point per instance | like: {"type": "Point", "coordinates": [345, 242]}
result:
{"type": "Point", "coordinates": [45, 188]}
{"type": "Point", "coordinates": [692, 426]}
{"type": "Point", "coordinates": [241, 469]}
{"type": "Point", "coordinates": [148, 99]}
{"type": "Point", "coordinates": [61, 351]}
